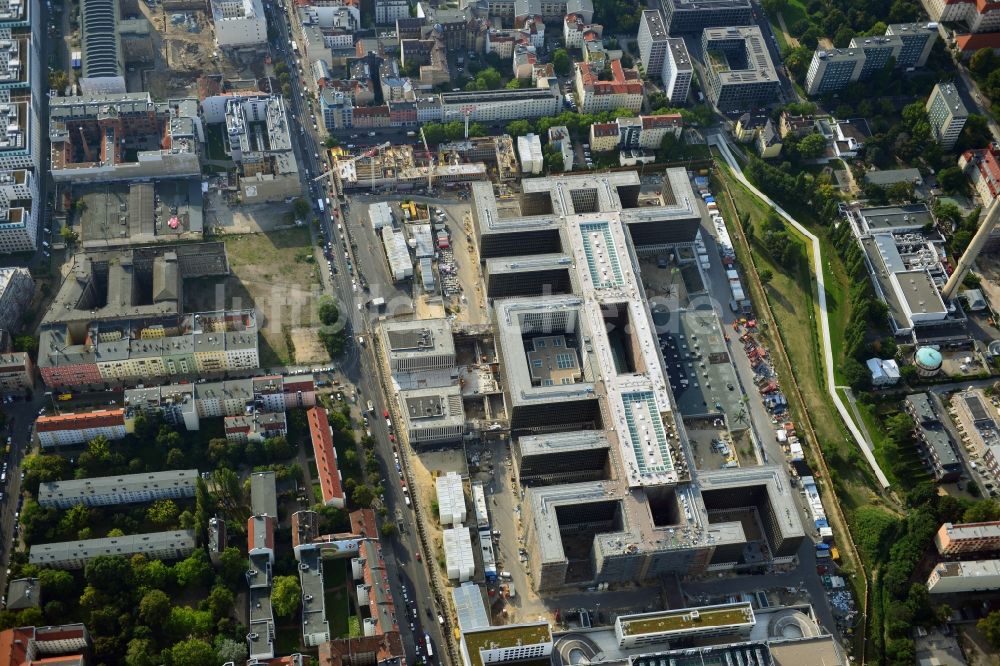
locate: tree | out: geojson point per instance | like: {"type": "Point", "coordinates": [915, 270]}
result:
{"type": "Point", "coordinates": [285, 595]}
{"type": "Point", "coordinates": [983, 61]}
{"type": "Point", "coordinates": [952, 179]}
{"type": "Point", "coordinates": [900, 192]}
{"type": "Point", "coordinates": [561, 62]}
{"type": "Point", "coordinates": [331, 142]}
{"type": "Point", "coordinates": [153, 574]}
{"type": "Point", "coordinates": [812, 146]}
{"type": "Point", "coordinates": [192, 652]}
{"type": "Point", "coordinates": [232, 565]}
{"type": "Point", "coordinates": [975, 133]}
{"type": "Point", "coordinates": [857, 375]}
{"type": "Point", "coordinates": [194, 570]}
{"type": "Point", "coordinates": [229, 651]}
{"type": "Point", "coordinates": [57, 583]}
{"type": "Point", "coordinates": [329, 313]}
{"type": "Point", "coordinates": [983, 511]}
{"type": "Point", "coordinates": [219, 602]}
{"type": "Point", "coordinates": [154, 608]}
{"type": "Point", "coordinates": [141, 652]}
{"type": "Point", "coordinates": [518, 128]}
{"type": "Point", "coordinates": [26, 343]}
{"type": "Point", "coordinates": [765, 275]}
{"type": "Point", "coordinates": [989, 626]}
{"type": "Point", "coordinates": [363, 495]}
{"type": "Point", "coordinates": [388, 529]}
{"type": "Point", "coordinates": [162, 513]}
{"type": "Point", "coordinates": [109, 573]}
{"type": "Point", "coordinates": [301, 208]}
{"type": "Point", "coordinates": [58, 80]}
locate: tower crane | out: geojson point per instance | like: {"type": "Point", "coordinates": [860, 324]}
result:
{"type": "Point", "coordinates": [335, 169]}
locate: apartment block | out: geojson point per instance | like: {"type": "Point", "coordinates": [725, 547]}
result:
{"type": "Point", "coordinates": [740, 72]}
{"type": "Point", "coordinates": [17, 289]}
{"type": "Point", "coordinates": [326, 458]}
{"type": "Point", "coordinates": [19, 210]}
{"type": "Point", "coordinates": [677, 71]}
{"type": "Point", "coordinates": [75, 554]}
{"type": "Point", "coordinates": [947, 114]}
{"type": "Point", "coordinates": [17, 373]}
{"type": "Point", "coordinates": [113, 490]}
{"type": "Point", "coordinates": [938, 449]}
{"type": "Point", "coordinates": [60, 645]}
{"type": "Point", "coordinates": [652, 42]}
{"type": "Point", "coordinates": [623, 91]}
{"type": "Point", "coordinates": [976, 15]}
{"type": "Point", "coordinates": [968, 539]}
{"type": "Point", "coordinates": [66, 429]}
{"type": "Point", "coordinates": [493, 106]}
{"type": "Point", "coordinates": [693, 16]}
{"type": "Point", "coordinates": [577, 32]}
{"type": "Point", "coordinates": [255, 427]}
{"type": "Point", "coordinates": [982, 166]}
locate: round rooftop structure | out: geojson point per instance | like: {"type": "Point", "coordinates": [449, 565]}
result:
{"type": "Point", "coordinates": [928, 360]}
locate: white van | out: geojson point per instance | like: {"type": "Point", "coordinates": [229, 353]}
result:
{"type": "Point", "coordinates": [505, 575]}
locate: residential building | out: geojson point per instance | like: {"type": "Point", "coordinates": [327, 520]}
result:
{"type": "Point", "coordinates": [884, 372]}
{"type": "Point", "coordinates": [947, 114]}
{"type": "Point", "coordinates": [832, 69]}
{"type": "Point", "coordinates": [62, 645]}
{"type": "Point", "coordinates": [796, 125]}
{"type": "Point", "coordinates": [634, 631]}
{"type": "Point", "coordinates": [460, 563]}
{"type": "Point", "coordinates": [677, 71]}
{"type": "Point", "coordinates": [23, 593]}
{"type": "Point", "coordinates": [524, 59]}
{"type": "Point", "coordinates": [604, 137]}
{"type": "Point", "coordinates": [652, 42]}
{"type": "Point", "coordinates": [217, 539]}
{"type": "Point", "coordinates": [388, 11]}
{"type": "Point", "coordinates": [623, 91]}
{"type": "Point", "coordinates": [938, 448]}
{"type": "Point", "coordinates": [748, 126]}
{"type": "Point", "coordinates": [768, 141]}
{"type": "Point", "coordinates": [17, 373]}
{"type": "Point", "coordinates": [114, 490]}
{"type": "Point", "coordinates": [967, 45]}
{"type": "Point", "coordinates": [239, 23]}
{"type": "Point", "coordinates": [577, 31]}
{"type": "Point", "coordinates": [87, 143]}
{"type": "Point", "coordinates": [326, 458]}
{"type": "Point", "coordinates": [264, 494]}
{"type": "Point", "coordinates": [510, 643]}
{"type": "Point", "coordinates": [959, 577]}
{"type": "Point", "coordinates": [255, 427]}
{"type": "Point", "coordinates": [693, 16]}
{"type": "Point", "coordinates": [559, 138]}
{"type": "Point", "coordinates": [740, 72]}
{"type": "Point", "coordinates": [529, 149]}
{"type": "Point", "coordinates": [75, 554]}
{"type": "Point", "coordinates": [492, 106]}
{"type": "Point", "coordinates": [966, 539]}
{"type": "Point", "coordinates": [65, 429]}
{"type": "Point", "coordinates": [653, 129]}
{"type": "Point", "coordinates": [19, 207]}
{"type": "Point", "coordinates": [451, 499]}
{"type": "Point", "coordinates": [17, 289]}
{"type": "Point", "coordinates": [977, 15]}
{"type": "Point", "coordinates": [982, 166]}
{"type": "Point", "coordinates": [336, 108]}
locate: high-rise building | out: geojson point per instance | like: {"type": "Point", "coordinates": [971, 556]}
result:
{"type": "Point", "coordinates": [677, 71]}
{"type": "Point", "coordinates": [652, 41]}
{"type": "Point", "coordinates": [947, 114]}
{"type": "Point", "coordinates": [740, 73]}
{"type": "Point", "coordinates": [918, 40]}
{"type": "Point", "coordinates": [831, 70]}
{"type": "Point", "coordinates": [17, 288]}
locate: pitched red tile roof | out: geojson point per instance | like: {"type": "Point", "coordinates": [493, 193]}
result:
{"type": "Point", "coordinates": [102, 418]}
{"type": "Point", "coordinates": [326, 456]}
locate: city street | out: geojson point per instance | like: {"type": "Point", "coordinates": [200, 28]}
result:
{"type": "Point", "coordinates": [361, 368]}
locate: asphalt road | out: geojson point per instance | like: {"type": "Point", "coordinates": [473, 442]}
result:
{"type": "Point", "coordinates": [361, 368]}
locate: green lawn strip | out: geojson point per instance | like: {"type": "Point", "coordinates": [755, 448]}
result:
{"type": "Point", "coordinates": [794, 11]}
{"type": "Point", "coordinates": [336, 588]}
{"type": "Point", "coordinates": [779, 34]}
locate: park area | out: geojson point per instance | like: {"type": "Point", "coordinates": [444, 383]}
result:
{"type": "Point", "coordinates": [277, 274]}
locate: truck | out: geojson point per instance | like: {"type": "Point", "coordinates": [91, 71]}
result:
{"type": "Point", "coordinates": [295, 47]}
{"type": "Point", "coordinates": [63, 397]}
{"type": "Point", "coordinates": [378, 302]}
{"type": "Point", "coordinates": [319, 204]}
{"type": "Point", "coordinates": [428, 645]}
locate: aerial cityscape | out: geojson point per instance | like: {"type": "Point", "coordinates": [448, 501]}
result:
{"type": "Point", "coordinates": [530, 332]}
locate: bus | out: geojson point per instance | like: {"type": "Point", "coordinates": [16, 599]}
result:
{"type": "Point", "coordinates": [428, 645]}
{"type": "Point", "coordinates": [319, 204]}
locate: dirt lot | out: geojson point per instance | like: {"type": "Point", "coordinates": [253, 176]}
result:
{"type": "Point", "coordinates": [185, 49]}
{"type": "Point", "coordinates": [424, 469]}
{"type": "Point", "coordinates": [276, 273]}
{"type": "Point", "coordinates": [308, 348]}
{"type": "Point", "coordinates": [221, 218]}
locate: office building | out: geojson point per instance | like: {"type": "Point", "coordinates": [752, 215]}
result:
{"type": "Point", "coordinates": [259, 141]}
{"type": "Point", "coordinates": [553, 350]}
{"type": "Point", "coordinates": [88, 142]}
{"type": "Point", "coordinates": [19, 208]}
{"type": "Point", "coordinates": [432, 415]}
{"type": "Point", "coordinates": [677, 71]}
{"type": "Point", "coordinates": [451, 499]}
{"type": "Point", "coordinates": [832, 69]}
{"type": "Point", "coordinates": [17, 373]}
{"type": "Point", "coordinates": [740, 72]}
{"type": "Point", "coordinates": [75, 554]}
{"type": "Point", "coordinates": [17, 289]}
{"type": "Point", "coordinates": [326, 458]}
{"type": "Point", "coordinates": [693, 16]}
{"type": "Point", "coordinates": [114, 490]}
{"type": "Point", "coordinates": [239, 23]}
{"type": "Point", "coordinates": [492, 106]}
{"type": "Point", "coordinates": [66, 429]}
{"type": "Point", "coordinates": [982, 166]}
{"type": "Point", "coordinates": [103, 68]}
{"type": "Point", "coordinates": [968, 539]}
{"type": "Point", "coordinates": [460, 563]}
{"type": "Point", "coordinates": [918, 41]}
{"type": "Point", "coordinates": [684, 623]}
{"type": "Point", "coordinates": [61, 645]}
{"type": "Point", "coordinates": [510, 643]}
{"type": "Point", "coordinates": [959, 577]}
{"type": "Point", "coordinates": [419, 344]}
{"type": "Point", "coordinates": [947, 114]}
{"type": "Point", "coordinates": [977, 16]}
{"type": "Point", "coordinates": [623, 91]}
{"type": "Point", "coordinates": [652, 42]}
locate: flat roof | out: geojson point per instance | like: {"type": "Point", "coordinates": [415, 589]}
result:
{"type": "Point", "coordinates": [150, 542]}
{"type": "Point", "coordinates": [758, 59]}
{"type": "Point", "coordinates": [82, 488]}
{"type": "Point", "coordinates": [469, 606]}
{"type": "Point", "coordinates": [577, 440]}
{"type": "Point", "coordinates": [263, 494]}
{"type": "Point", "coordinates": [779, 494]}
{"type": "Point", "coordinates": [987, 530]}
{"type": "Point", "coordinates": [889, 218]}
{"type": "Point", "coordinates": [416, 337]}
{"type": "Point", "coordinates": [314, 619]}
{"type": "Point", "coordinates": [684, 620]}
{"type": "Point", "coordinates": [949, 93]}
{"type": "Point", "coordinates": [890, 176]}
{"type": "Point", "coordinates": [511, 635]}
